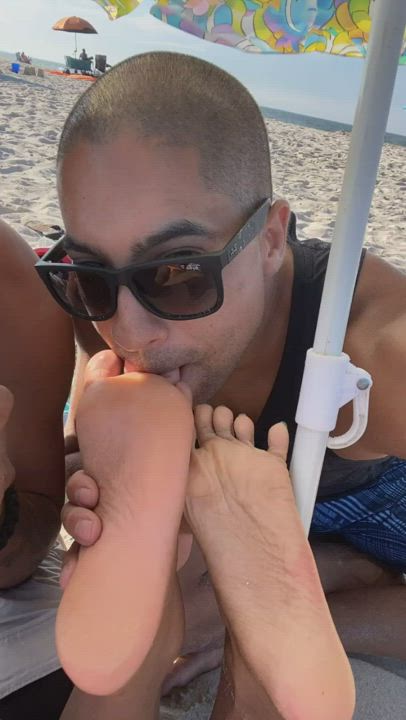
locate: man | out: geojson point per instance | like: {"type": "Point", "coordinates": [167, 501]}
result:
{"type": "Point", "coordinates": [83, 55]}
{"type": "Point", "coordinates": [36, 364]}
{"type": "Point", "coordinates": [31, 495]}
{"type": "Point", "coordinates": [177, 174]}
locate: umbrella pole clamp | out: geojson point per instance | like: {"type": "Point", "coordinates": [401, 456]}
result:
{"type": "Point", "coordinates": [329, 382]}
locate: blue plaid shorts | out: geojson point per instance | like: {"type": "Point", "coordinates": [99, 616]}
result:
{"type": "Point", "coordinates": [371, 519]}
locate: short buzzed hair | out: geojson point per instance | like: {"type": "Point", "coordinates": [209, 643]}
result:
{"type": "Point", "coordinates": [184, 101]}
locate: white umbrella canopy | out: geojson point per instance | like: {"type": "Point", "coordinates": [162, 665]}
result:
{"type": "Point", "coordinates": [357, 28]}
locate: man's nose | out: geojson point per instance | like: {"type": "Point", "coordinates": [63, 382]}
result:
{"type": "Point", "coordinates": [134, 327]}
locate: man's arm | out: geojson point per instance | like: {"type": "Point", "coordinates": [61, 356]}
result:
{"type": "Point", "coordinates": [36, 364]}
{"type": "Point", "coordinates": [376, 341]}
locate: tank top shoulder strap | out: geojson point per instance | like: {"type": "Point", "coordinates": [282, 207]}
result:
{"type": "Point", "coordinates": [310, 258]}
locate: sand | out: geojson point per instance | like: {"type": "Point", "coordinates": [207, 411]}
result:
{"type": "Point", "coordinates": [308, 168]}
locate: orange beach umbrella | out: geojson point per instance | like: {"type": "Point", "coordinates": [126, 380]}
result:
{"type": "Point", "coordinates": [75, 25]}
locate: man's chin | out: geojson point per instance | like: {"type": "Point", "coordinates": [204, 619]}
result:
{"type": "Point", "coordinates": [201, 388]}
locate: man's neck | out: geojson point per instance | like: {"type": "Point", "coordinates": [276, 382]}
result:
{"type": "Point", "coordinates": [250, 384]}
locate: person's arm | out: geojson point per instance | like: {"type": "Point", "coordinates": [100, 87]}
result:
{"type": "Point", "coordinates": [367, 601]}
{"type": "Point", "coordinates": [376, 341]}
{"type": "Point", "coordinates": [371, 621]}
{"type": "Point", "coordinates": [36, 365]}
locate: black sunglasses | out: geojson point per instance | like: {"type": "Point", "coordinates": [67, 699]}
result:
{"type": "Point", "coordinates": [178, 288]}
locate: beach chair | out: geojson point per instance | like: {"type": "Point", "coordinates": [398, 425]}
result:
{"type": "Point", "coordinates": [100, 63]}
{"type": "Point", "coordinates": [77, 65]}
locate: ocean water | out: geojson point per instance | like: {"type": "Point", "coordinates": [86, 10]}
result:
{"type": "Point", "coordinates": [320, 124]}
{"type": "Point", "coordinates": [47, 64]}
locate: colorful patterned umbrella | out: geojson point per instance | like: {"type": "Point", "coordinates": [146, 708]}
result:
{"type": "Point", "coordinates": [118, 8]}
{"type": "Point", "coordinates": [339, 27]}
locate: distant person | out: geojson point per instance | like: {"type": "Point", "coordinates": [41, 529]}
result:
{"type": "Point", "coordinates": [84, 56]}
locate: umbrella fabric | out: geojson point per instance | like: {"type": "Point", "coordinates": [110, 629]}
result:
{"type": "Point", "coordinates": [339, 27]}
{"type": "Point", "coordinates": [118, 8]}
{"type": "Point", "coordinates": [74, 24]}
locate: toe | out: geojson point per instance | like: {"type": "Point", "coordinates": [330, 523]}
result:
{"type": "Point", "coordinates": [103, 365]}
{"type": "Point", "coordinates": [204, 423]}
{"type": "Point", "coordinates": [278, 441]}
{"type": "Point", "coordinates": [223, 422]}
{"type": "Point", "coordinates": [82, 490]}
{"type": "Point", "coordinates": [244, 429]}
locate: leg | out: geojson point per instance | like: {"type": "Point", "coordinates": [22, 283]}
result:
{"type": "Point", "coordinates": [135, 433]}
{"type": "Point", "coordinates": [283, 658]}
{"type": "Point", "coordinates": [139, 698]}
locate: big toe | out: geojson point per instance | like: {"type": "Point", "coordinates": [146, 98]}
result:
{"type": "Point", "coordinates": [278, 440]}
{"type": "Point", "coordinates": [103, 365]}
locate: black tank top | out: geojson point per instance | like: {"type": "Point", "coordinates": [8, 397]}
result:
{"type": "Point", "coordinates": [310, 259]}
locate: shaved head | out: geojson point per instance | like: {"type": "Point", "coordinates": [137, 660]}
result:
{"type": "Point", "coordinates": [181, 101]}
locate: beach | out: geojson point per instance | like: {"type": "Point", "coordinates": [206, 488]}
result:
{"type": "Point", "coordinates": [308, 166]}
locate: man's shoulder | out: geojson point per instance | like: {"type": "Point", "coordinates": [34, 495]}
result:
{"type": "Point", "coordinates": [380, 296]}
{"type": "Point", "coordinates": [378, 314]}
{"type": "Point", "coordinates": [376, 341]}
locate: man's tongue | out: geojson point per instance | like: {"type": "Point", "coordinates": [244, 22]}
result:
{"type": "Point", "coordinates": [173, 376]}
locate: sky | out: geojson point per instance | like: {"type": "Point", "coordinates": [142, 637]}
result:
{"type": "Point", "coordinates": [317, 85]}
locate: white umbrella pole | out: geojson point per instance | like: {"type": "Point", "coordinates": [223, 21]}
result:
{"type": "Point", "coordinates": [389, 20]}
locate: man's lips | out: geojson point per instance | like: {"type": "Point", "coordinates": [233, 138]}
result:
{"type": "Point", "coordinates": [173, 376]}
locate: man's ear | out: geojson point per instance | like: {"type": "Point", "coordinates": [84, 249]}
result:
{"type": "Point", "coordinates": [274, 236]}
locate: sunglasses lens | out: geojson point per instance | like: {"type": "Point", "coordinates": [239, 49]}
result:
{"type": "Point", "coordinates": [85, 292]}
{"type": "Point", "coordinates": [184, 289]}
{"type": "Point", "coordinates": [172, 290]}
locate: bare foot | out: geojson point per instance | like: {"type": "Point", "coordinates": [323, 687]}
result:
{"type": "Point", "coordinates": [283, 656]}
{"type": "Point", "coordinates": [135, 434]}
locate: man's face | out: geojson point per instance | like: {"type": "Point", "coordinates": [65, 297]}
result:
{"type": "Point", "coordinates": [116, 196]}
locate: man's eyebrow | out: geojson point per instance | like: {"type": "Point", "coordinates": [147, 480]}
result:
{"type": "Point", "coordinates": [69, 243]}
{"type": "Point", "coordinates": [172, 231]}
